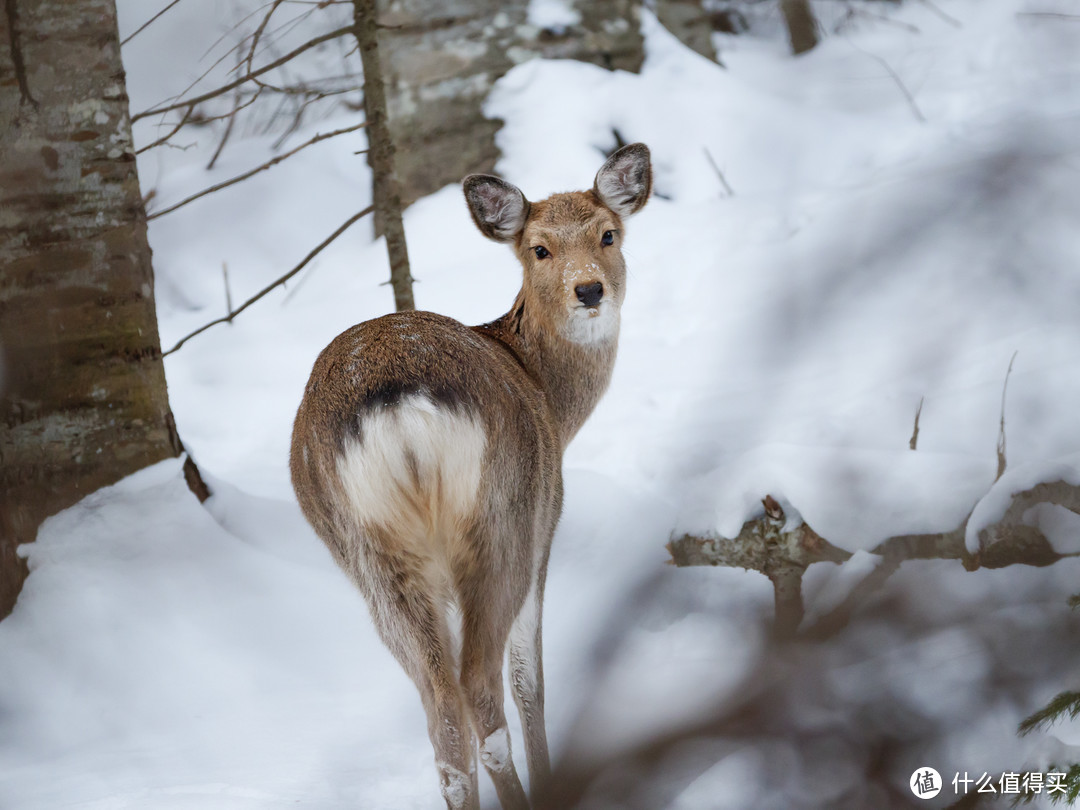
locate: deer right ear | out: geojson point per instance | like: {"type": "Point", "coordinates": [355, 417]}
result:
{"type": "Point", "coordinates": [498, 208]}
{"type": "Point", "coordinates": [624, 182]}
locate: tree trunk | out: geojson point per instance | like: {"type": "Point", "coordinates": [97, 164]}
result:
{"type": "Point", "coordinates": [801, 24]}
{"type": "Point", "coordinates": [82, 387]}
{"type": "Point", "coordinates": [386, 191]}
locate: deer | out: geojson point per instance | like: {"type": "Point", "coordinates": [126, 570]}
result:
{"type": "Point", "coordinates": [427, 455]}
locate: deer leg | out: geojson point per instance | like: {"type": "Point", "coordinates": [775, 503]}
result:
{"type": "Point", "coordinates": [527, 682]}
{"type": "Point", "coordinates": [484, 632]}
{"type": "Point", "coordinates": [412, 624]}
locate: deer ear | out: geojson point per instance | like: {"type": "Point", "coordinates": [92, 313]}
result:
{"type": "Point", "coordinates": [624, 182]}
{"type": "Point", "coordinates": [498, 208]}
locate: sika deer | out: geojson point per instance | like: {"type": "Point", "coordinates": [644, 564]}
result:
{"type": "Point", "coordinates": [428, 457]}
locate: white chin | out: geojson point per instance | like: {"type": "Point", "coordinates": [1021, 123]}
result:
{"type": "Point", "coordinates": [592, 324]}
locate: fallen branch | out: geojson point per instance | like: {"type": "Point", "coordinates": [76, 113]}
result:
{"type": "Point", "coordinates": [764, 545]}
{"type": "Point", "coordinates": [240, 177]}
{"type": "Point", "coordinates": [315, 252]}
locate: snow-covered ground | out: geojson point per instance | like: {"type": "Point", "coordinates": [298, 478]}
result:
{"type": "Point", "coordinates": [878, 250]}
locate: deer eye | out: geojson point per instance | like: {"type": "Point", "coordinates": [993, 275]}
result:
{"type": "Point", "coordinates": [541, 252]}
{"type": "Point", "coordinates": [608, 238]}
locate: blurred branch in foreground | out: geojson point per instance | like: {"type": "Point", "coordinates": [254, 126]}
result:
{"type": "Point", "coordinates": [764, 545]}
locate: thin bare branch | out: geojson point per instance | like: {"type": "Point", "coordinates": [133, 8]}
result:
{"type": "Point", "coordinates": [914, 441]}
{"type": "Point", "coordinates": [946, 17]}
{"type": "Point", "coordinates": [146, 24]}
{"type": "Point", "coordinates": [240, 177]}
{"type": "Point", "coordinates": [228, 292]}
{"type": "Point", "coordinates": [186, 117]}
{"type": "Point", "coordinates": [1057, 15]}
{"type": "Point", "coordinates": [1001, 426]}
{"type": "Point", "coordinates": [237, 103]}
{"type": "Point", "coordinates": [274, 6]}
{"type": "Point", "coordinates": [268, 289]}
{"type": "Point", "coordinates": [719, 174]}
{"type": "Point", "coordinates": [896, 78]}
{"type": "Point", "coordinates": [853, 12]}
{"type": "Point", "coordinates": [311, 43]}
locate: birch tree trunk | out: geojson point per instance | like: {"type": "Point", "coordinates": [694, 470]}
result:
{"type": "Point", "coordinates": [82, 387]}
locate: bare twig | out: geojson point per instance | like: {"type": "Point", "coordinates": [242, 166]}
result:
{"type": "Point", "coordinates": [237, 102]}
{"type": "Point", "coordinates": [272, 162]}
{"type": "Point", "coordinates": [1057, 15]}
{"type": "Point", "coordinates": [228, 294]}
{"type": "Point", "coordinates": [146, 24]}
{"type": "Point", "coordinates": [274, 6]}
{"type": "Point", "coordinates": [852, 12]}
{"type": "Point", "coordinates": [913, 443]}
{"type": "Point", "coordinates": [947, 18]}
{"type": "Point", "coordinates": [186, 117]}
{"type": "Point", "coordinates": [719, 174]}
{"type": "Point", "coordinates": [315, 252]}
{"type": "Point", "coordinates": [896, 78]}
{"type": "Point", "coordinates": [1001, 426]}
{"type": "Point", "coordinates": [311, 43]}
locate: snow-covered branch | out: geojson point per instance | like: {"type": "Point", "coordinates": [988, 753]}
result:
{"type": "Point", "coordinates": [783, 553]}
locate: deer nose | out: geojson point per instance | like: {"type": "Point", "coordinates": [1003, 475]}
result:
{"type": "Point", "coordinates": [590, 294]}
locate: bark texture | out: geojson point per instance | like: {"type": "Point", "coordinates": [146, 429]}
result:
{"type": "Point", "coordinates": [386, 191]}
{"type": "Point", "coordinates": [83, 400]}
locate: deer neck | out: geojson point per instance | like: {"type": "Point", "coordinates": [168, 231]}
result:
{"type": "Point", "coordinates": [573, 376]}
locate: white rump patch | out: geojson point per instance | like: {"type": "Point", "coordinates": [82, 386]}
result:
{"type": "Point", "coordinates": [414, 470]}
{"type": "Point", "coordinates": [495, 750]}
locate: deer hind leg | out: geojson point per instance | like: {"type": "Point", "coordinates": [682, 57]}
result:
{"type": "Point", "coordinates": [485, 628]}
{"type": "Point", "coordinates": [527, 683]}
{"type": "Point", "coordinates": [411, 620]}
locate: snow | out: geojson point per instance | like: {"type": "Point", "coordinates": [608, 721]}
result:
{"type": "Point", "coordinates": [554, 15]}
{"type": "Point", "coordinates": [495, 750]}
{"type": "Point", "coordinates": [991, 508]}
{"type": "Point", "coordinates": [776, 340]}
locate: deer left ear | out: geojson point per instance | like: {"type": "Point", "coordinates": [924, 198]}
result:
{"type": "Point", "coordinates": [624, 182]}
{"type": "Point", "coordinates": [498, 208]}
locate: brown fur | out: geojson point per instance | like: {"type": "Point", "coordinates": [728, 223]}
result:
{"type": "Point", "coordinates": [428, 456]}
